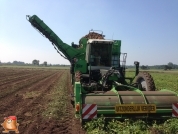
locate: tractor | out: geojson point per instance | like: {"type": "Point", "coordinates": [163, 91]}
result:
{"type": "Point", "coordinates": [99, 82]}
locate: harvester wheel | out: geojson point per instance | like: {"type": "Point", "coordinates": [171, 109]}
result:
{"type": "Point", "coordinates": [145, 81]}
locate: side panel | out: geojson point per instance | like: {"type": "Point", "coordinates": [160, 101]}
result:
{"type": "Point", "coordinates": [78, 100]}
{"type": "Point", "coordinates": [81, 66]}
{"type": "Point", "coordinates": [116, 51]}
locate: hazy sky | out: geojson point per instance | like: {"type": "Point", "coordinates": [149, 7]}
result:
{"type": "Point", "coordinates": [148, 28]}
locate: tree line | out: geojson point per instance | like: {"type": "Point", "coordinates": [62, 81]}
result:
{"type": "Point", "coordinates": [33, 63]}
{"type": "Point", "coordinates": [168, 66]}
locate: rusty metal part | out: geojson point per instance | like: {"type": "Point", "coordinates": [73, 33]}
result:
{"type": "Point", "coordinates": [93, 35]}
{"type": "Point", "coordinates": [77, 76]}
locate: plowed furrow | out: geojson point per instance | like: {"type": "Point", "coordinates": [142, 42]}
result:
{"type": "Point", "coordinates": [29, 98]}
{"type": "Point", "coordinates": [5, 78]}
{"type": "Point", "coordinates": [38, 106]}
{"type": "Point", "coordinates": [17, 105]}
{"type": "Point", "coordinates": [47, 125]}
{"type": "Point", "coordinates": [14, 72]}
{"type": "Point", "coordinates": [14, 88]}
{"type": "Point", "coordinates": [19, 94]}
{"type": "Point", "coordinates": [16, 80]}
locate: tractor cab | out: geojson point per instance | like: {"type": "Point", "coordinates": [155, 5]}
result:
{"type": "Point", "coordinates": [99, 53]}
{"type": "Point", "coordinates": [101, 56]}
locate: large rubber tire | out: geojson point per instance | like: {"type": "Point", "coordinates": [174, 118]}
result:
{"type": "Point", "coordinates": [146, 82]}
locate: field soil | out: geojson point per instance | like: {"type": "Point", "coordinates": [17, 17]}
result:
{"type": "Point", "coordinates": [30, 94]}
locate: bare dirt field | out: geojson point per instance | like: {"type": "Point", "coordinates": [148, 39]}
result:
{"type": "Point", "coordinates": [40, 100]}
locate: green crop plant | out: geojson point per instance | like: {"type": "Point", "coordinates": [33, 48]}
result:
{"type": "Point", "coordinates": [58, 99]}
{"type": "Point", "coordinates": [100, 126]}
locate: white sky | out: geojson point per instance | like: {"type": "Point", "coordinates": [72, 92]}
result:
{"type": "Point", "coordinates": [148, 29]}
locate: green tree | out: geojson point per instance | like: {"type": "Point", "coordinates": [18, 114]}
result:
{"type": "Point", "coordinates": [144, 67]}
{"type": "Point", "coordinates": [45, 63]}
{"type": "Point", "coordinates": [35, 62]}
{"type": "Point", "coordinates": [166, 67]}
{"type": "Point", "coordinates": [170, 64]}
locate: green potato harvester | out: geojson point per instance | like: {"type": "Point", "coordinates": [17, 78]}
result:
{"type": "Point", "coordinates": [100, 86]}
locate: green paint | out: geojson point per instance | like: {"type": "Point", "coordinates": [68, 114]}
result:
{"type": "Point", "coordinates": [81, 65]}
